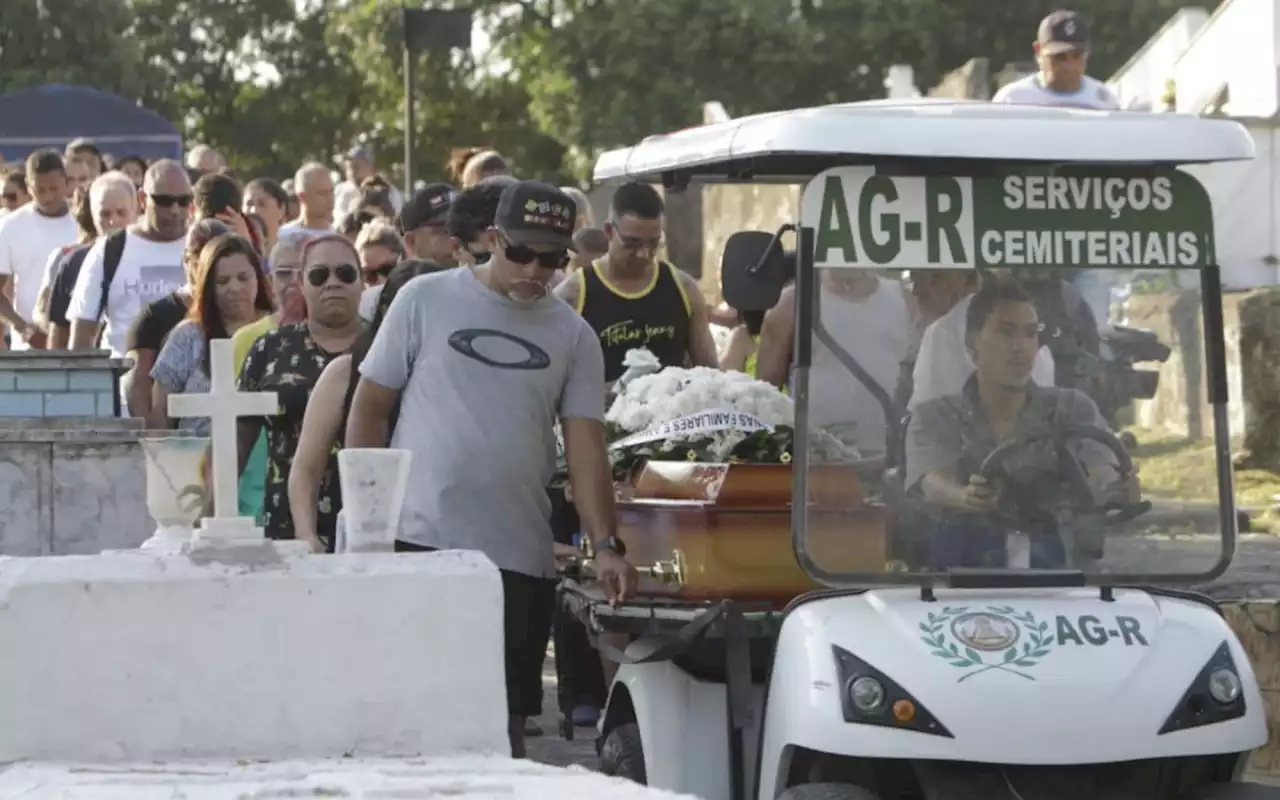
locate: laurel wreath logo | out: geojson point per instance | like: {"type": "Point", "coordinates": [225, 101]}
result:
{"type": "Point", "coordinates": [1037, 644]}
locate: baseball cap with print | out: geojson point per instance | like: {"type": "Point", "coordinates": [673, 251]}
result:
{"type": "Point", "coordinates": [1063, 32]}
{"type": "Point", "coordinates": [427, 206]}
{"type": "Point", "coordinates": [536, 213]}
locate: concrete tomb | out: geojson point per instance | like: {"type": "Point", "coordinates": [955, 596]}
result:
{"type": "Point", "coordinates": [172, 670]}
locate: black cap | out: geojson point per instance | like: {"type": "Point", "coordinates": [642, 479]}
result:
{"type": "Point", "coordinates": [427, 206]}
{"type": "Point", "coordinates": [1063, 32]}
{"type": "Point", "coordinates": [533, 212]}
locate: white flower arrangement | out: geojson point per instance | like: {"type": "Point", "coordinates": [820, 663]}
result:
{"type": "Point", "coordinates": [704, 414]}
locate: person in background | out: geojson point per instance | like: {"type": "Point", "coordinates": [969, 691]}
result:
{"type": "Point", "coordinates": [229, 291]}
{"type": "Point", "coordinates": [471, 216]}
{"type": "Point", "coordinates": [86, 152]}
{"type": "Point", "coordinates": [586, 217]}
{"type": "Point", "coordinates": [151, 326]}
{"type": "Point", "coordinates": [633, 299]}
{"type": "Point", "coordinates": [421, 222]}
{"type": "Point", "coordinates": [83, 213]}
{"type": "Point", "coordinates": [358, 167]}
{"type": "Point", "coordinates": [353, 223]}
{"type": "Point", "coordinates": [314, 186]}
{"type": "Point", "coordinates": [219, 196]}
{"type": "Point", "coordinates": [78, 176]}
{"type": "Point", "coordinates": [375, 197]}
{"type": "Point", "coordinates": [133, 166]}
{"type": "Point", "coordinates": [470, 165]}
{"type": "Point", "coordinates": [28, 236]}
{"type": "Point", "coordinates": [291, 307]}
{"type": "Point", "coordinates": [430, 356]}
{"type": "Point", "coordinates": [293, 210]}
{"type": "Point", "coordinates": [325, 421]}
{"type": "Point", "coordinates": [380, 249]}
{"type": "Point", "coordinates": [744, 344]}
{"type": "Point", "coordinates": [205, 160]}
{"type": "Point", "coordinates": [289, 361]}
{"type": "Point", "coordinates": [1062, 54]}
{"type": "Point", "coordinates": [13, 191]}
{"type": "Point", "coordinates": [111, 204]}
{"type": "Point", "coordinates": [270, 201]}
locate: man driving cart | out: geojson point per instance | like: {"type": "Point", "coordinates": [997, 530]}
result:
{"type": "Point", "coordinates": [998, 464]}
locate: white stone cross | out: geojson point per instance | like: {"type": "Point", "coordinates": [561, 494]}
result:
{"type": "Point", "coordinates": [223, 404]}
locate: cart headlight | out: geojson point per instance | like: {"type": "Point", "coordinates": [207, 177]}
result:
{"type": "Point", "coordinates": [1216, 695]}
{"type": "Point", "coordinates": [1224, 686]}
{"type": "Point", "coordinates": [869, 697]}
{"type": "Point", "coordinates": [867, 694]}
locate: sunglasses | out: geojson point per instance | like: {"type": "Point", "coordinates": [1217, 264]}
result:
{"type": "Point", "coordinates": [171, 200]}
{"type": "Point", "coordinates": [523, 254]}
{"type": "Point", "coordinates": [10, 197]}
{"type": "Point", "coordinates": [319, 274]}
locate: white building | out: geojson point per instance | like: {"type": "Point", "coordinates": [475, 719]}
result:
{"type": "Point", "coordinates": [1223, 63]}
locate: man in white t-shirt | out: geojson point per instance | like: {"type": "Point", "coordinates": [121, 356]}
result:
{"type": "Point", "coordinates": [27, 237]}
{"type": "Point", "coordinates": [150, 265]}
{"type": "Point", "coordinates": [1062, 53]}
{"type": "Point", "coordinates": [314, 186]}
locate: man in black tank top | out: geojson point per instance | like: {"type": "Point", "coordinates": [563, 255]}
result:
{"type": "Point", "coordinates": [632, 299]}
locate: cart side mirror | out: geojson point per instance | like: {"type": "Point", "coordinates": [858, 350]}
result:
{"type": "Point", "coordinates": [753, 270]}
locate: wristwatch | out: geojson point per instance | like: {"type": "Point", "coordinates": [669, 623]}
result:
{"type": "Point", "coordinates": [612, 543]}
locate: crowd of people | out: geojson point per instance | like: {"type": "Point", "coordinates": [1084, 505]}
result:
{"type": "Point", "coordinates": [459, 323]}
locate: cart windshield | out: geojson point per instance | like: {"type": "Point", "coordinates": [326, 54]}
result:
{"type": "Point", "coordinates": [1007, 352]}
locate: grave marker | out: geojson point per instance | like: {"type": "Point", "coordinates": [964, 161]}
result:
{"type": "Point", "coordinates": [224, 405]}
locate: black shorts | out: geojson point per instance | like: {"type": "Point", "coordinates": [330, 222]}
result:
{"type": "Point", "coordinates": [527, 606]}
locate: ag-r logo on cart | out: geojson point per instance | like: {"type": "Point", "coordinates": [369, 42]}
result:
{"type": "Point", "coordinates": [1001, 638]}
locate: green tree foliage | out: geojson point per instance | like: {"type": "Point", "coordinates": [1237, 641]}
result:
{"type": "Point", "coordinates": [68, 41]}
{"type": "Point", "coordinates": [274, 83]}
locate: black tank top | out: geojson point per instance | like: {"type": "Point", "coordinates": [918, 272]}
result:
{"type": "Point", "coordinates": [656, 318]}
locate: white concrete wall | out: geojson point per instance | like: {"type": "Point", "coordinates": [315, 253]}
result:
{"type": "Point", "coordinates": [1237, 46]}
{"type": "Point", "coordinates": [1140, 83]}
{"type": "Point", "coordinates": [1246, 212]}
{"type": "Point", "coordinates": [71, 487]}
{"type": "Point", "coordinates": [133, 657]}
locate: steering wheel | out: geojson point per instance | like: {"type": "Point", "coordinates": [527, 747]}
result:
{"type": "Point", "coordinates": [1079, 492]}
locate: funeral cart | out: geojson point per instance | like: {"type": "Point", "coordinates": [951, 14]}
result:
{"type": "Point", "coordinates": [873, 641]}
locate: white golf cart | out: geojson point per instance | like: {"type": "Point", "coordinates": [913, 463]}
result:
{"type": "Point", "coordinates": [1033, 647]}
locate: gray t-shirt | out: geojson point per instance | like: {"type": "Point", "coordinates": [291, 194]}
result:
{"type": "Point", "coordinates": [953, 434]}
{"type": "Point", "coordinates": [179, 368]}
{"type": "Point", "coordinates": [483, 380]}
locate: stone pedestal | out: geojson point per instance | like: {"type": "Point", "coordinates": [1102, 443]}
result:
{"type": "Point", "coordinates": [57, 383]}
{"type": "Point", "coordinates": [250, 654]}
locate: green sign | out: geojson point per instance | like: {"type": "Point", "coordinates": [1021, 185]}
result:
{"type": "Point", "coordinates": [1004, 639]}
{"type": "Point", "coordinates": [1100, 219]}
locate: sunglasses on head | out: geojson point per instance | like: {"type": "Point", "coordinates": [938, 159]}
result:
{"type": "Point", "coordinates": [523, 254]}
{"type": "Point", "coordinates": [171, 200]}
{"type": "Point", "coordinates": [319, 274]}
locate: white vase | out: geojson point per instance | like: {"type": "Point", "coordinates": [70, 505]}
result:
{"type": "Point", "coordinates": [175, 486]}
{"type": "Point", "coordinates": [374, 482]}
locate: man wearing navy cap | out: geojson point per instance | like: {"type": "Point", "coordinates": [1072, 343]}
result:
{"type": "Point", "coordinates": [1062, 53]}
{"type": "Point", "coordinates": [484, 360]}
{"type": "Point", "coordinates": [422, 224]}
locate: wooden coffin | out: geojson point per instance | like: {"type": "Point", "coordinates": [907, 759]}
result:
{"type": "Point", "coordinates": [728, 527]}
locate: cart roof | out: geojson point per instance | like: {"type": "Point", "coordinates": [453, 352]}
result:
{"type": "Point", "coordinates": [803, 142]}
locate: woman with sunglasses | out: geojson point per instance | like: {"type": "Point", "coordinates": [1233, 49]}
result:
{"type": "Point", "coordinates": [289, 361]}
{"type": "Point", "coordinates": [325, 421]}
{"type": "Point", "coordinates": [229, 292]}
{"type": "Point", "coordinates": [380, 248]}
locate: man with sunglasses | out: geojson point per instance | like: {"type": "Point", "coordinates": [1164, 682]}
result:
{"type": "Point", "coordinates": [148, 265]}
{"type": "Point", "coordinates": [632, 299]}
{"type": "Point", "coordinates": [484, 362]}
{"type": "Point", "coordinates": [422, 224]}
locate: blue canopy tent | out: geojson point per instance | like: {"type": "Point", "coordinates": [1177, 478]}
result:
{"type": "Point", "coordinates": [53, 115]}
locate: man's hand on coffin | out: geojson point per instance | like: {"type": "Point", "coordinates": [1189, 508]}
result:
{"type": "Point", "coordinates": [618, 577]}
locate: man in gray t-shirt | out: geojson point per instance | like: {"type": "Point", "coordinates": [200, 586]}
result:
{"type": "Point", "coordinates": [484, 361]}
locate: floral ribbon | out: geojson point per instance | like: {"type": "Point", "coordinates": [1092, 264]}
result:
{"type": "Point", "coordinates": [704, 423]}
